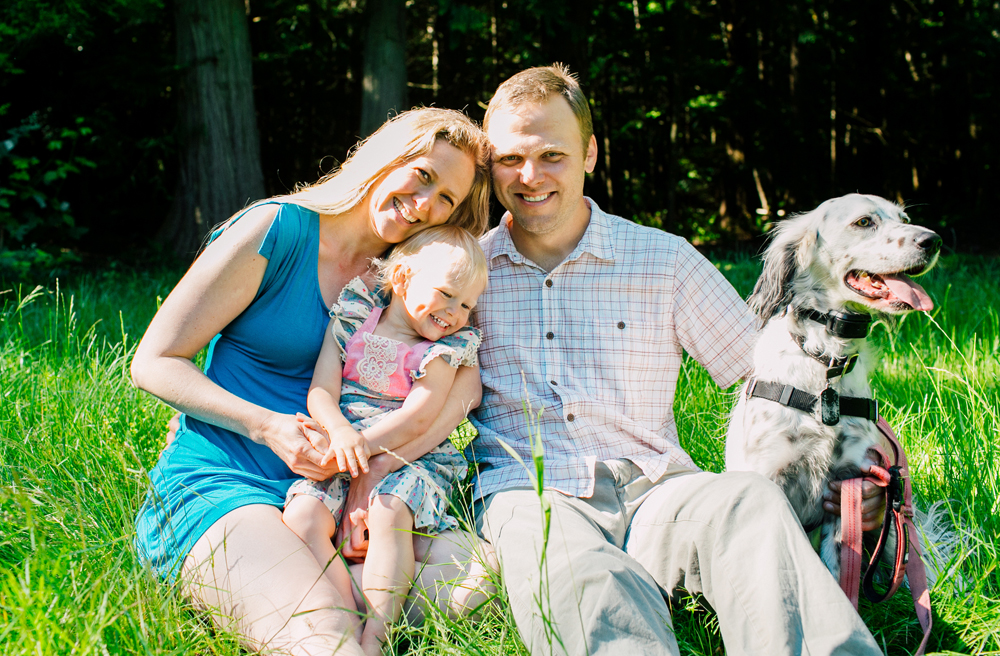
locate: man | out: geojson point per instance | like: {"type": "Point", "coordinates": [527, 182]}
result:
{"type": "Point", "coordinates": [586, 317]}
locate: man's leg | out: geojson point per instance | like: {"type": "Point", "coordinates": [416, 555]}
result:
{"type": "Point", "coordinates": [734, 538]}
{"type": "Point", "coordinates": [588, 596]}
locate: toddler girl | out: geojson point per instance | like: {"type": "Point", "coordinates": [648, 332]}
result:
{"type": "Point", "coordinates": [402, 360]}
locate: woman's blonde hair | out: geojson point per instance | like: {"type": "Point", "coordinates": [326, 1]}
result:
{"type": "Point", "coordinates": [405, 137]}
{"type": "Point", "coordinates": [471, 270]}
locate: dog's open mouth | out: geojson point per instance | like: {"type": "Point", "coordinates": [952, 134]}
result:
{"type": "Point", "coordinates": [896, 290]}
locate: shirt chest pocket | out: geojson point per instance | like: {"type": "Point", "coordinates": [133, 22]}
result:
{"type": "Point", "coordinates": [635, 339]}
{"type": "Point", "coordinates": [622, 345]}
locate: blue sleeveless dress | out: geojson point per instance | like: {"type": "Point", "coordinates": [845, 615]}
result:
{"type": "Point", "coordinates": [266, 356]}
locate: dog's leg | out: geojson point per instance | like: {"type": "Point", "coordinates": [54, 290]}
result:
{"type": "Point", "coordinates": [829, 547]}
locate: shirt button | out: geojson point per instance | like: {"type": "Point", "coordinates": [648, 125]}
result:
{"type": "Point", "coordinates": [621, 325]}
{"type": "Point", "coordinates": [550, 335]}
{"type": "Point", "coordinates": [553, 382]}
{"type": "Point", "coordinates": [570, 417]}
{"type": "Point", "coordinates": [548, 283]}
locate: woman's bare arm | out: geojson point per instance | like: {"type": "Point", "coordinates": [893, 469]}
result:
{"type": "Point", "coordinates": [220, 284]}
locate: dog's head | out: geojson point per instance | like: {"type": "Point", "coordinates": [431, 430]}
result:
{"type": "Point", "coordinates": [855, 253]}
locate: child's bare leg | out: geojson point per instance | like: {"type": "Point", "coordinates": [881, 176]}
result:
{"type": "Point", "coordinates": [388, 569]}
{"type": "Point", "coordinates": [310, 519]}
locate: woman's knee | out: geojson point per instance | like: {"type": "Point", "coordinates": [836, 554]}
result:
{"type": "Point", "coordinates": [251, 572]}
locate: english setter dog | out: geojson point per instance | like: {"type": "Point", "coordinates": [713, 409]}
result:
{"type": "Point", "coordinates": [806, 416]}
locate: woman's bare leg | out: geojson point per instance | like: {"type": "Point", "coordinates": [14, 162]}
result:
{"type": "Point", "coordinates": [257, 578]}
{"type": "Point", "coordinates": [389, 567]}
{"type": "Point", "coordinates": [312, 521]}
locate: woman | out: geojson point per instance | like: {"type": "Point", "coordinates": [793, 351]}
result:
{"type": "Point", "coordinates": [260, 293]}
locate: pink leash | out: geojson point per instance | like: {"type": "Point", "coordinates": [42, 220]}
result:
{"type": "Point", "coordinates": [898, 512]}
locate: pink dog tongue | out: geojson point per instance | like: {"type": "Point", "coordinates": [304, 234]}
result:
{"type": "Point", "coordinates": [908, 292]}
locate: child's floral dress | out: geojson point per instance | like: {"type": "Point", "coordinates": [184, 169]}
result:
{"type": "Point", "coordinates": [378, 374]}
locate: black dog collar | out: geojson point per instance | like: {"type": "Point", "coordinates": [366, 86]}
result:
{"type": "Point", "coordinates": [849, 325]}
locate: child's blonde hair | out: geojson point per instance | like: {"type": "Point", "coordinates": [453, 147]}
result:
{"type": "Point", "coordinates": [471, 270]}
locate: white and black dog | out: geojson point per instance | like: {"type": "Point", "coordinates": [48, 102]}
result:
{"type": "Point", "coordinates": [806, 416]}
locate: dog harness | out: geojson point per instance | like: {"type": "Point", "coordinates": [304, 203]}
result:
{"type": "Point", "coordinates": [831, 404]}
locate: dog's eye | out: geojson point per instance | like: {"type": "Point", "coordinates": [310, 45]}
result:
{"type": "Point", "coordinates": [864, 222]}
{"type": "Point", "coordinates": [904, 218]}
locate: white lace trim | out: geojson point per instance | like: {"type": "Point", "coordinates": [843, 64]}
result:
{"type": "Point", "coordinates": [379, 362]}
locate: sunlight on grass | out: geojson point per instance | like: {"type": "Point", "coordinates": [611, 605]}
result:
{"type": "Point", "coordinates": [76, 440]}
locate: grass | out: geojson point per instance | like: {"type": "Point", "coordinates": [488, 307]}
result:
{"type": "Point", "coordinates": [76, 441]}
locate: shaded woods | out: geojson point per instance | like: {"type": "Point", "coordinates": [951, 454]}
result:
{"type": "Point", "coordinates": [714, 117]}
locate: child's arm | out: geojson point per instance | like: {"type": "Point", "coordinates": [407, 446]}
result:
{"type": "Point", "coordinates": [408, 443]}
{"type": "Point", "coordinates": [347, 445]}
{"type": "Point", "coordinates": [423, 404]}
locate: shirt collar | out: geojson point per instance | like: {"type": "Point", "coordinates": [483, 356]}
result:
{"type": "Point", "coordinates": [597, 240]}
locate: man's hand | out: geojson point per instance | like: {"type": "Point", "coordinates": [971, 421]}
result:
{"type": "Point", "coordinates": [872, 501]}
{"type": "Point", "coordinates": [359, 536]}
{"type": "Point", "coordinates": [355, 546]}
{"type": "Point", "coordinates": [173, 426]}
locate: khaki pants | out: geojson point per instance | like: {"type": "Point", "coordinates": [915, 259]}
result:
{"type": "Point", "coordinates": [611, 559]}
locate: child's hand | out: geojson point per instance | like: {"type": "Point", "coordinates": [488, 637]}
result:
{"type": "Point", "coordinates": [350, 449]}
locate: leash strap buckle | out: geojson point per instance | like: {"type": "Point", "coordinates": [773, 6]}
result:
{"type": "Point", "coordinates": [841, 368]}
{"type": "Point", "coordinates": [895, 489]}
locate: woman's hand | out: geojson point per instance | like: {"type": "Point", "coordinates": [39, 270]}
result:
{"type": "Point", "coordinates": [314, 432]}
{"type": "Point", "coordinates": [285, 435]}
{"type": "Point", "coordinates": [354, 545]}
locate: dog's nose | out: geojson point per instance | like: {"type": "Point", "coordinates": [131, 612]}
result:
{"type": "Point", "coordinates": [929, 242]}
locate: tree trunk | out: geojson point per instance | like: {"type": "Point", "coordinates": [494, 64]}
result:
{"type": "Point", "coordinates": [219, 146]}
{"type": "Point", "coordinates": [384, 83]}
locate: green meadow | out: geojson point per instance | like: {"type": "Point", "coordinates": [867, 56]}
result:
{"type": "Point", "coordinates": [77, 440]}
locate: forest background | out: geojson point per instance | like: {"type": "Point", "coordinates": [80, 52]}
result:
{"type": "Point", "coordinates": [129, 127]}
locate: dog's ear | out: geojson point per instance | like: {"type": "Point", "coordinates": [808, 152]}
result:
{"type": "Point", "coordinates": [790, 250]}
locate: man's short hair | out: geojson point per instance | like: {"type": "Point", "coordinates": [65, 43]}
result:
{"type": "Point", "coordinates": [536, 86]}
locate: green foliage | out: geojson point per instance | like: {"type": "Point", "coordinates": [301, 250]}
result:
{"type": "Point", "coordinates": [30, 200]}
{"type": "Point", "coordinates": [76, 80]}
{"type": "Point", "coordinates": [711, 117]}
